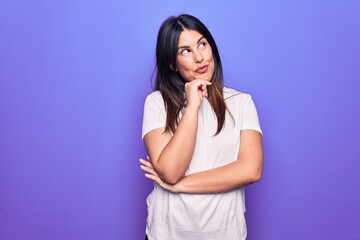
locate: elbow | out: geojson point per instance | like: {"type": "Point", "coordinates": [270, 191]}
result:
{"type": "Point", "coordinates": [172, 180]}
{"type": "Point", "coordinates": [255, 176]}
{"type": "Point", "coordinates": [256, 172]}
{"type": "Point", "coordinates": [169, 176]}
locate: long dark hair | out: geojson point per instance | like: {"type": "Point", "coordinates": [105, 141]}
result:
{"type": "Point", "coordinates": [171, 84]}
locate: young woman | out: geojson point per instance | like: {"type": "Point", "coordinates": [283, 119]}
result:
{"type": "Point", "coordinates": [203, 140]}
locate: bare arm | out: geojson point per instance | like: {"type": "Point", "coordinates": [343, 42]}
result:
{"type": "Point", "coordinates": [171, 155]}
{"type": "Point", "coordinates": [245, 170]}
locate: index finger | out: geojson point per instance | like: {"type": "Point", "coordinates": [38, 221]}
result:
{"type": "Point", "coordinates": [204, 81]}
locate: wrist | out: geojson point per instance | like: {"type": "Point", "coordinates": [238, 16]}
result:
{"type": "Point", "coordinates": [180, 187]}
{"type": "Point", "coordinates": [192, 108]}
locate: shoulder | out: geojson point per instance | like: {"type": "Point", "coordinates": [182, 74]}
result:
{"type": "Point", "coordinates": [231, 95]}
{"type": "Point", "coordinates": [154, 95]}
{"type": "Point", "coordinates": [155, 98]}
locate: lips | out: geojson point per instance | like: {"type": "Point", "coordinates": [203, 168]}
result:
{"type": "Point", "coordinates": [202, 69]}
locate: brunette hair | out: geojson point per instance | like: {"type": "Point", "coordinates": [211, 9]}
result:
{"type": "Point", "coordinates": [171, 84]}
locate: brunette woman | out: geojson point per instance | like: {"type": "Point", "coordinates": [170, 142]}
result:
{"type": "Point", "coordinates": [204, 140]}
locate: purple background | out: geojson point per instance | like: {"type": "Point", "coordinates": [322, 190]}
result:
{"type": "Point", "coordinates": [73, 79]}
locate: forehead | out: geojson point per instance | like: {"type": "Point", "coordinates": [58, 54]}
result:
{"type": "Point", "coordinates": [189, 37]}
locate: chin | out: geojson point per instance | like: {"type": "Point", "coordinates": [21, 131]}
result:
{"type": "Point", "coordinates": [208, 78]}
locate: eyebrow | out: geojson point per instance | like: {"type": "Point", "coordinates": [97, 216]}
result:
{"type": "Point", "coordinates": [196, 43]}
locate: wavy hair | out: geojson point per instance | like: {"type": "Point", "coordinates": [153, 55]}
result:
{"type": "Point", "coordinates": [171, 84]}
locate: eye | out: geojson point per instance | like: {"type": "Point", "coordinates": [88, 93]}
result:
{"type": "Point", "coordinates": [185, 52]}
{"type": "Point", "coordinates": [202, 45]}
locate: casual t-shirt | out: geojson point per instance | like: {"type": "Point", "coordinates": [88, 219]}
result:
{"type": "Point", "coordinates": [173, 216]}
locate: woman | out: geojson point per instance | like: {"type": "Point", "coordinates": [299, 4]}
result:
{"type": "Point", "coordinates": [203, 140]}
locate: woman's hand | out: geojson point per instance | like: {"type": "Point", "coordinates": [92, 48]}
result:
{"type": "Point", "coordinates": [195, 91]}
{"type": "Point", "coordinates": [151, 174]}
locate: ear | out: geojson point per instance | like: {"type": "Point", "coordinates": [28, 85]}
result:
{"type": "Point", "coordinates": [172, 68]}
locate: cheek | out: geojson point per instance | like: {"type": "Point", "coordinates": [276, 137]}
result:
{"type": "Point", "coordinates": [182, 64]}
{"type": "Point", "coordinates": [184, 68]}
{"type": "Point", "coordinates": [212, 64]}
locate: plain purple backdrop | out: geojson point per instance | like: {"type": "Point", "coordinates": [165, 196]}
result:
{"type": "Point", "coordinates": [73, 79]}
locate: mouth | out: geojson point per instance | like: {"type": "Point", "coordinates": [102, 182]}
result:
{"type": "Point", "coordinates": [202, 69]}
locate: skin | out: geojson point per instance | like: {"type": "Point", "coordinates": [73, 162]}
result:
{"type": "Point", "coordinates": [170, 155]}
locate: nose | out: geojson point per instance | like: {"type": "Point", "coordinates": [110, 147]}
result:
{"type": "Point", "coordinates": [198, 57]}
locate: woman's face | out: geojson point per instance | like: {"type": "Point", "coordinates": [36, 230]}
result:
{"type": "Point", "coordinates": [194, 56]}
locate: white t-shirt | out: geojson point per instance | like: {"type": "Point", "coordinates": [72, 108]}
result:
{"type": "Point", "coordinates": [173, 216]}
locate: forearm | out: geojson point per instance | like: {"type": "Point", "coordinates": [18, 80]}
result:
{"type": "Point", "coordinates": [222, 179]}
{"type": "Point", "coordinates": [175, 158]}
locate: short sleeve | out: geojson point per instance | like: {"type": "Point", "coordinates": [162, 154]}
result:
{"type": "Point", "coordinates": [250, 117]}
{"type": "Point", "coordinates": [154, 113]}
